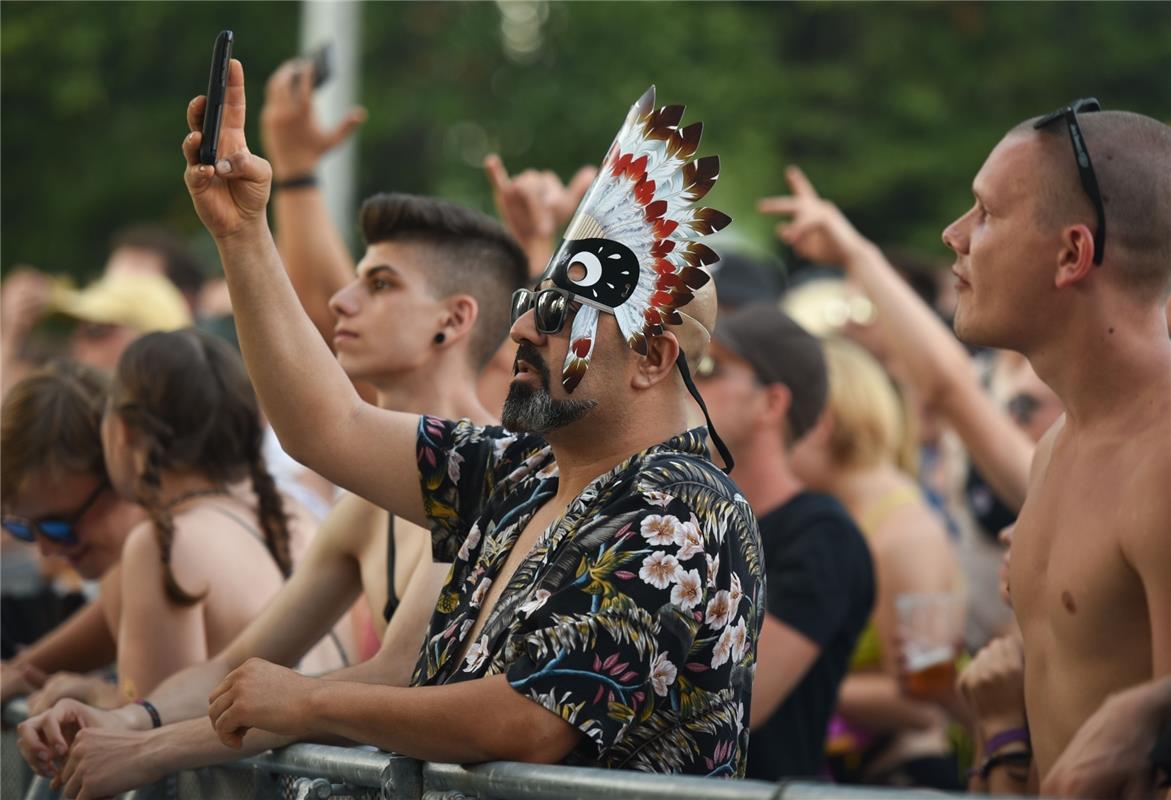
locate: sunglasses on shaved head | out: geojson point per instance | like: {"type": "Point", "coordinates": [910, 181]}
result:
{"type": "Point", "coordinates": [1085, 167]}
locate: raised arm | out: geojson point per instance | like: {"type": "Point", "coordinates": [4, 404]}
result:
{"type": "Point", "coordinates": [935, 361]}
{"type": "Point", "coordinates": [317, 414]}
{"type": "Point", "coordinates": [534, 205]}
{"type": "Point", "coordinates": [316, 257]}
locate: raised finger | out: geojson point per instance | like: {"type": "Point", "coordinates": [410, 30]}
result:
{"type": "Point", "coordinates": [581, 181]}
{"type": "Point", "coordinates": [497, 174]}
{"type": "Point", "coordinates": [195, 111]}
{"type": "Point", "coordinates": [781, 204]}
{"type": "Point", "coordinates": [801, 185]}
{"type": "Point", "coordinates": [234, 100]}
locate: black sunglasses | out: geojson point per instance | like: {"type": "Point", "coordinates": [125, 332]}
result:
{"type": "Point", "coordinates": [62, 530]}
{"type": "Point", "coordinates": [552, 307]}
{"type": "Point", "coordinates": [1085, 167]}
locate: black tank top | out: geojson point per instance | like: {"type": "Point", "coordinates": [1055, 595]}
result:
{"type": "Point", "coordinates": [391, 594]}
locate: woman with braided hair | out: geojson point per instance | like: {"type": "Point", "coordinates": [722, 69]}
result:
{"type": "Point", "coordinates": [182, 437]}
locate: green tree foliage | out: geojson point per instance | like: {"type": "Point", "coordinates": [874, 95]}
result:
{"type": "Point", "coordinates": [889, 107]}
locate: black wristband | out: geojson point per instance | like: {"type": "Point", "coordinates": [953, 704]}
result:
{"type": "Point", "coordinates": [1015, 758]}
{"type": "Point", "coordinates": [155, 720]}
{"type": "Point", "coordinates": [296, 182]}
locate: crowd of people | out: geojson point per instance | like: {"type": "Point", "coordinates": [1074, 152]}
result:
{"type": "Point", "coordinates": [608, 499]}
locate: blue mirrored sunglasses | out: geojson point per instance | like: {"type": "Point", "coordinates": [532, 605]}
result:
{"type": "Point", "coordinates": [62, 530]}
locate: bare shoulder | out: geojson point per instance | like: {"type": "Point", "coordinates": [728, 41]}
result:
{"type": "Point", "coordinates": [141, 547]}
{"type": "Point", "coordinates": [142, 561]}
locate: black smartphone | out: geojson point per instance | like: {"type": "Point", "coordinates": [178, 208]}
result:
{"type": "Point", "coordinates": [322, 64]}
{"type": "Point", "coordinates": [217, 84]}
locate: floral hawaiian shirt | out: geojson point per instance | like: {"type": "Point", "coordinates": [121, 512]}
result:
{"type": "Point", "coordinates": [635, 616]}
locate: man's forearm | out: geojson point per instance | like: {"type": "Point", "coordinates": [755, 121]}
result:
{"type": "Point", "coordinates": [433, 722]}
{"type": "Point", "coordinates": [193, 744]}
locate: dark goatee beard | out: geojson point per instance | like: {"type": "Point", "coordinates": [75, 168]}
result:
{"type": "Point", "coordinates": [534, 410]}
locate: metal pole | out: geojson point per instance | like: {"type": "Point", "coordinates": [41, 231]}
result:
{"type": "Point", "coordinates": [336, 21]}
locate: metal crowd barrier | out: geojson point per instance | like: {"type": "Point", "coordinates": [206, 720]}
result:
{"type": "Point", "coordinates": [321, 772]}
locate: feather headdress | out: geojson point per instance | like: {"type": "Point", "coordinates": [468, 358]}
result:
{"type": "Point", "coordinates": [631, 249]}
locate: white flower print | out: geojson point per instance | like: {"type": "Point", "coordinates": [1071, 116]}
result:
{"type": "Point", "coordinates": [719, 610]}
{"type": "Point", "coordinates": [690, 540]}
{"type": "Point", "coordinates": [533, 603]}
{"type": "Point", "coordinates": [660, 499]}
{"type": "Point", "coordinates": [737, 593]}
{"type": "Point", "coordinates": [713, 569]}
{"type": "Point", "coordinates": [723, 648]}
{"type": "Point", "coordinates": [688, 592]}
{"type": "Point", "coordinates": [501, 444]}
{"type": "Point", "coordinates": [454, 459]}
{"type": "Point", "coordinates": [470, 542]}
{"type": "Point", "coordinates": [477, 654]}
{"type": "Point", "coordinates": [660, 570]}
{"type": "Point", "coordinates": [480, 593]}
{"type": "Point", "coordinates": [465, 627]}
{"type": "Point", "coordinates": [660, 530]}
{"type": "Point", "coordinates": [739, 639]}
{"type": "Point", "coordinates": [662, 674]}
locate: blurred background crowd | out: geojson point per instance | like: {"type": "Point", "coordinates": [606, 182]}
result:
{"type": "Point", "coordinates": [889, 109]}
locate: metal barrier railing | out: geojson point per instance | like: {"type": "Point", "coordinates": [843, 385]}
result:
{"type": "Point", "coordinates": [321, 771]}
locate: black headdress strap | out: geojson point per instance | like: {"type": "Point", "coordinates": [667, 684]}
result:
{"type": "Point", "coordinates": [729, 464]}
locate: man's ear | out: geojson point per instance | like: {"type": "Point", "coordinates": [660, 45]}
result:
{"type": "Point", "coordinates": [461, 313]}
{"type": "Point", "coordinates": [659, 361]}
{"type": "Point", "coordinates": [777, 400]}
{"type": "Point", "coordinates": [1075, 260]}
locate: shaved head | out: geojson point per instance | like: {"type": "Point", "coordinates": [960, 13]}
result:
{"type": "Point", "coordinates": [1131, 154]}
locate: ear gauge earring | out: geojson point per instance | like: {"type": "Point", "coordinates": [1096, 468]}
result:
{"type": "Point", "coordinates": [440, 338]}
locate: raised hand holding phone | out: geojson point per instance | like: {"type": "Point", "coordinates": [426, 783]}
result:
{"type": "Point", "coordinates": [232, 194]}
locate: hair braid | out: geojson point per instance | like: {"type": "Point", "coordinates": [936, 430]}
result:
{"type": "Point", "coordinates": [274, 522]}
{"type": "Point", "coordinates": [149, 491]}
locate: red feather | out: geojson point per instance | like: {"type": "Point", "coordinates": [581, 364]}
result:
{"type": "Point", "coordinates": [656, 210]}
{"type": "Point", "coordinates": [664, 227]}
{"type": "Point", "coordinates": [637, 169]}
{"type": "Point", "coordinates": [644, 191]}
{"type": "Point", "coordinates": [620, 164]}
{"type": "Point", "coordinates": [662, 248]}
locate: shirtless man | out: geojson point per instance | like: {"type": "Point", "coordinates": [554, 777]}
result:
{"type": "Point", "coordinates": [411, 325]}
{"type": "Point", "coordinates": [1082, 294]}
